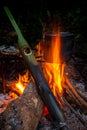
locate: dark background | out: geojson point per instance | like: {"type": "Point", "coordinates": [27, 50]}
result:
{"type": "Point", "coordinates": [31, 14]}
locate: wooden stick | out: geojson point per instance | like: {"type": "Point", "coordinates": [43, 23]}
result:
{"type": "Point", "coordinates": [77, 115]}
{"type": "Point", "coordinates": [82, 95]}
{"type": "Point", "coordinates": [83, 103]}
{"type": "Point", "coordinates": [72, 95]}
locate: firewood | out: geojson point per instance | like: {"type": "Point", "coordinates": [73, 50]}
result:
{"type": "Point", "coordinates": [81, 102]}
{"type": "Point", "coordinates": [23, 113]}
{"type": "Point", "coordinates": [74, 111]}
{"type": "Point", "coordinates": [71, 95]}
{"type": "Point", "coordinates": [82, 94]}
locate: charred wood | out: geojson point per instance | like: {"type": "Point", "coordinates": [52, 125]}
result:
{"type": "Point", "coordinates": [79, 99]}
{"type": "Point", "coordinates": [82, 95]}
{"type": "Point", "coordinates": [74, 111]}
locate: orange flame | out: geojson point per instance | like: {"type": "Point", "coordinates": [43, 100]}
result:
{"type": "Point", "coordinates": [53, 67]}
{"type": "Point", "coordinates": [54, 70]}
{"type": "Point", "coordinates": [54, 76]}
{"type": "Point", "coordinates": [19, 86]}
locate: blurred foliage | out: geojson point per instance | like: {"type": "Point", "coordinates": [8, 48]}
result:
{"type": "Point", "coordinates": [32, 20]}
{"type": "Point", "coordinates": [76, 21]}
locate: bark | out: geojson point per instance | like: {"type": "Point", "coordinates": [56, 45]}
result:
{"type": "Point", "coordinates": [23, 113]}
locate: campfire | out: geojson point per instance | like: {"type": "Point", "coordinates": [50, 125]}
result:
{"type": "Point", "coordinates": [54, 70]}
{"type": "Point", "coordinates": [54, 53]}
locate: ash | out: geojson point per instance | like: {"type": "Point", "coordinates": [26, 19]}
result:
{"type": "Point", "coordinates": [46, 122]}
{"type": "Point", "coordinates": [5, 99]}
{"type": "Point", "coordinates": [73, 123]}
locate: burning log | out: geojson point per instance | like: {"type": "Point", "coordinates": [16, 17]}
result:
{"type": "Point", "coordinates": [23, 113]}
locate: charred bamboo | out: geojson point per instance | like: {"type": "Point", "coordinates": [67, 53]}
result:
{"type": "Point", "coordinates": [42, 85]}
